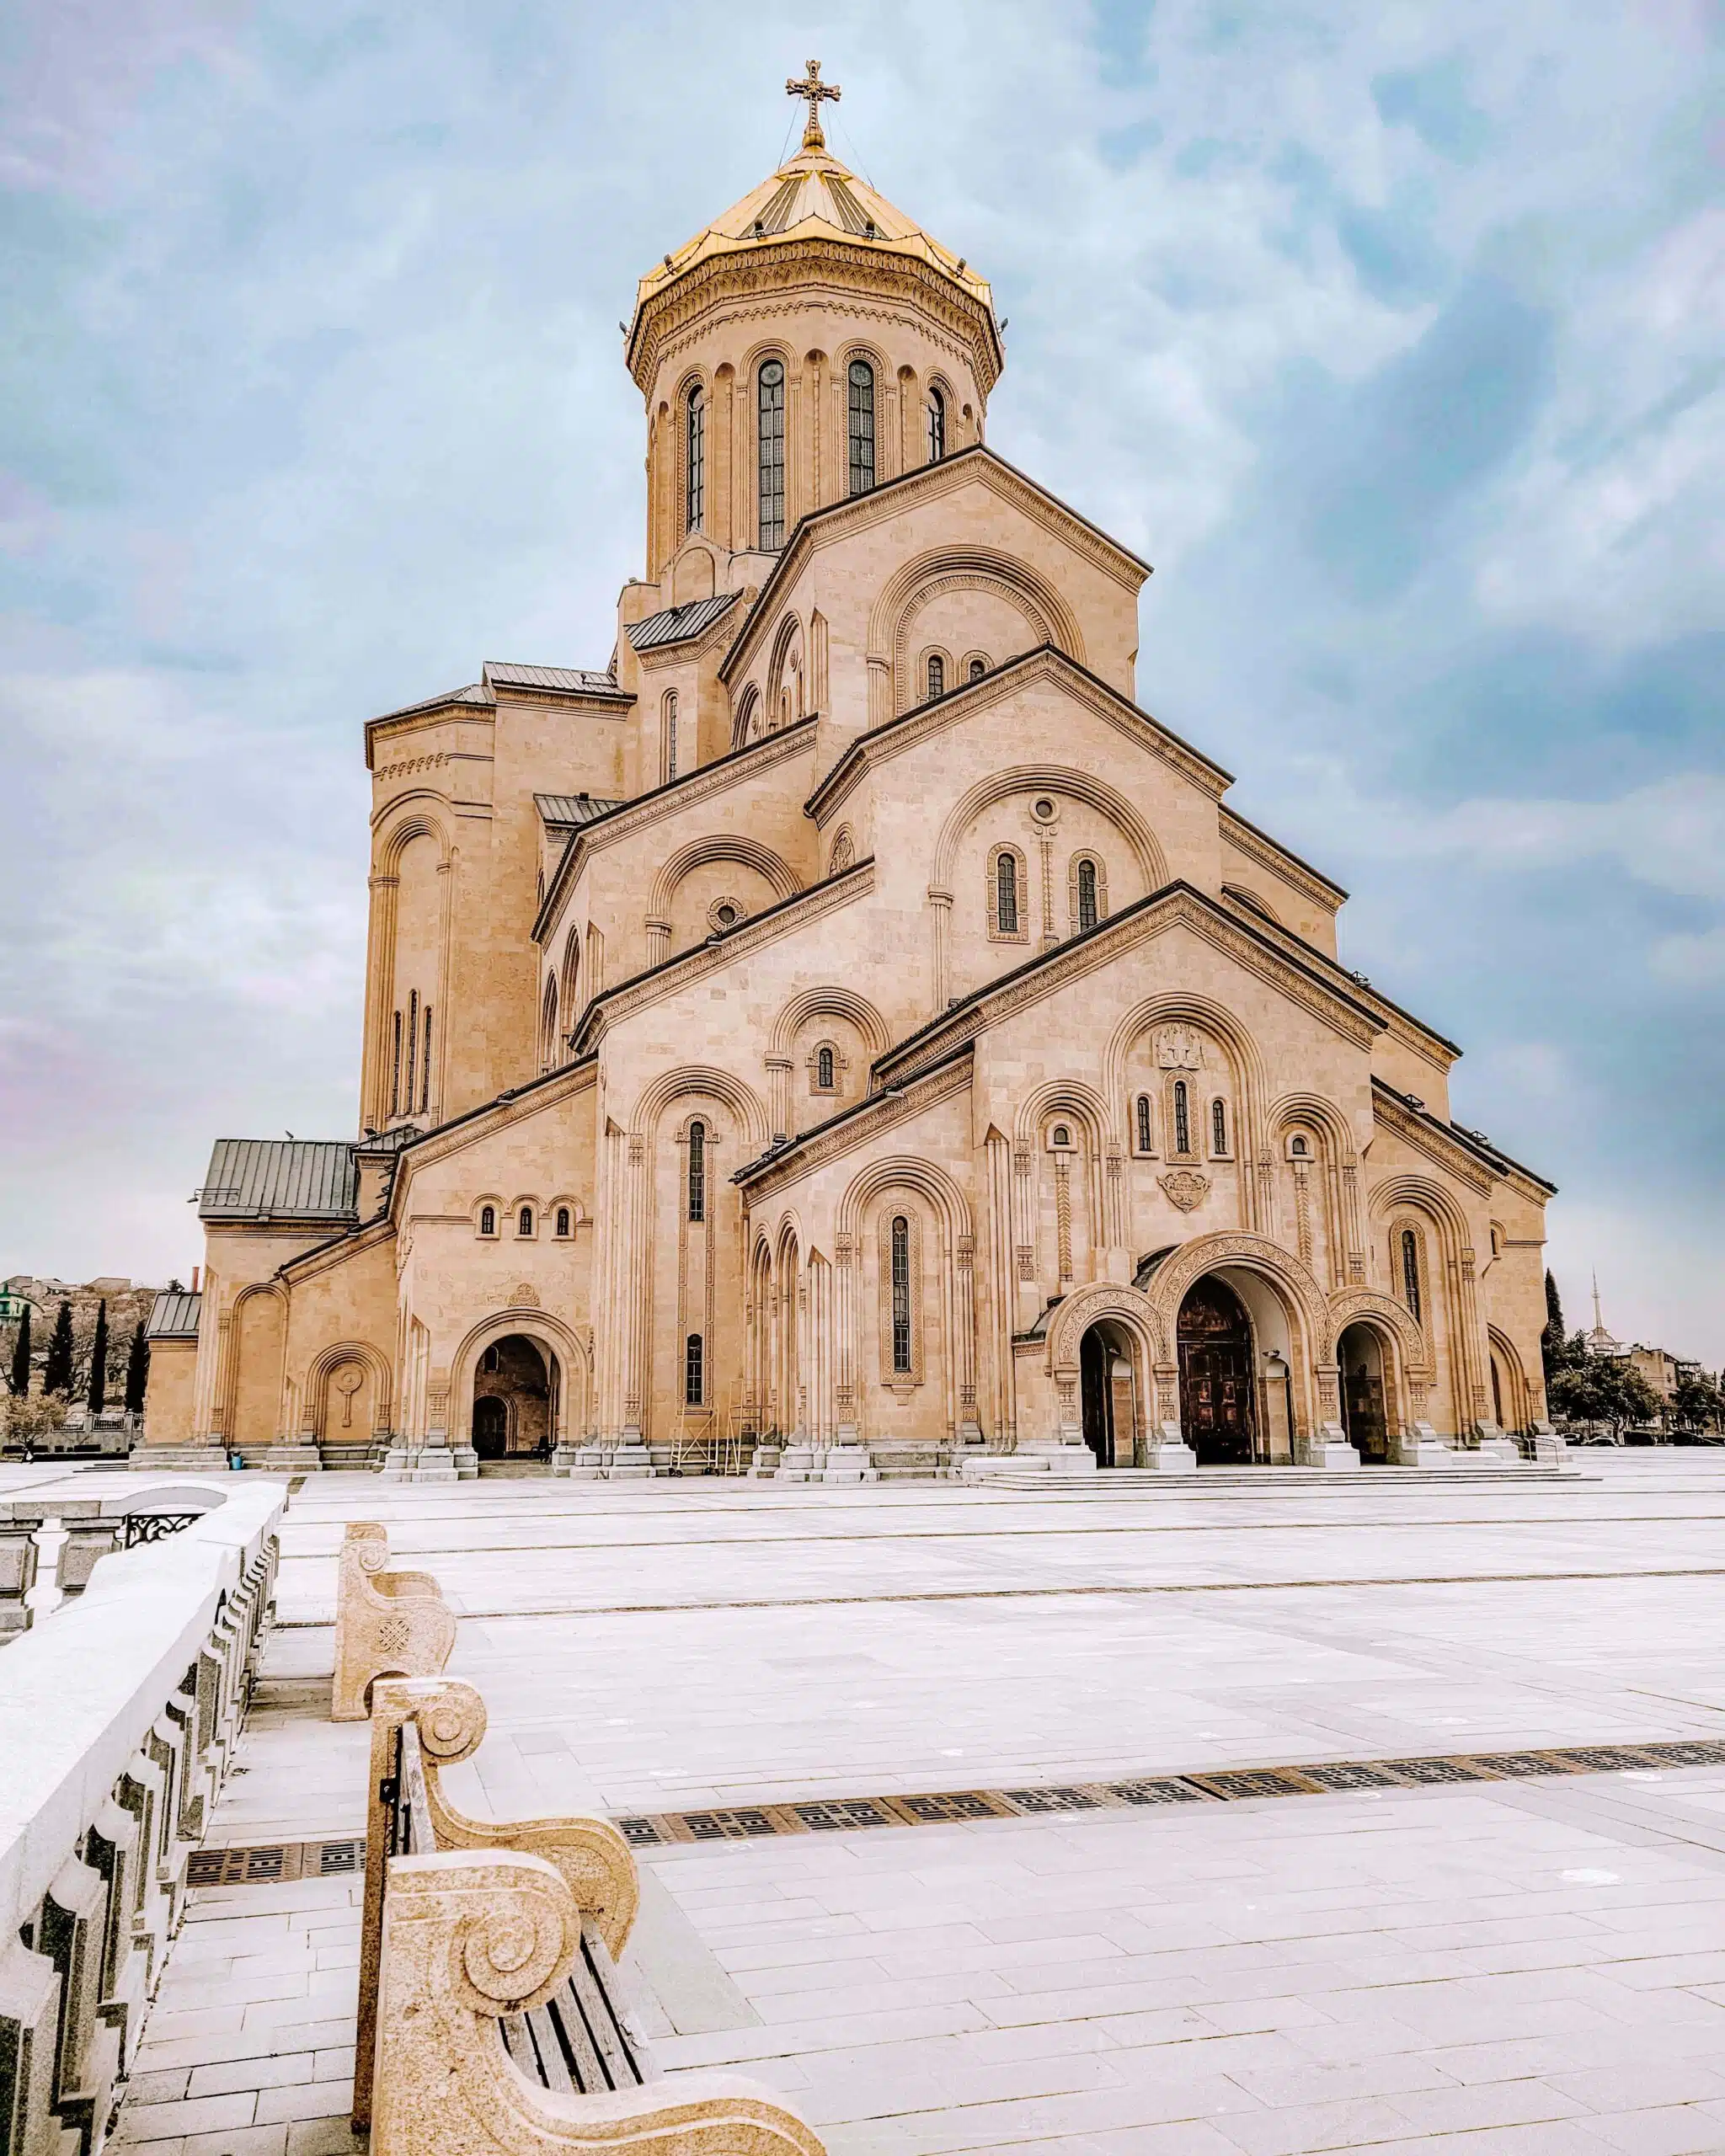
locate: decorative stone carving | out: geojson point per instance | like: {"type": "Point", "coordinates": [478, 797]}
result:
{"type": "Point", "coordinates": [525, 1296]}
{"type": "Point", "coordinates": [1185, 1188]}
{"type": "Point", "coordinates": [1179, 1048]}
{"type": "Point", "coordinates": [466, 1942]}
{"type": "Point", "coordinates": [386, 1624]}
{"type": "Point", "coordinates": [591, 1857]}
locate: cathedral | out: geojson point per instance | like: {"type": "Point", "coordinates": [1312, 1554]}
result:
{"type": "Point", "coordinates": [846, 1035]}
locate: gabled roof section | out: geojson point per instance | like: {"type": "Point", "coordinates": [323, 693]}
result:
{"type": "Point", "coordinates": [558, 680]}
{"type": "Point", "coordinates": [1099, 945]}
{"type": "Point", "coordinates": [914, 725]}
{"type": "Point", "coordinates": [678, 624]}
{"type": "Point", "coordinates": [888, 496]}
{"type": "Point", "coordinates": [279, 1179]}
{"type": "Point", "coordinates": [174, 1316]}
{"type": "Point", "coordinates": [567, 812]}
{"type": "Point", "coordinates": [891, 1104]}
{"type": "Point", "coordinates": [1417, 1121]}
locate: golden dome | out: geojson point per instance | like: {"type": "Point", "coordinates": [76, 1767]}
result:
{"type": "Point", "coordinates": [813, 197]}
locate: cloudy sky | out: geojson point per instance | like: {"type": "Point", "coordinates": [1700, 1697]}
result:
{"type": "Point", "coordinates": [1393, 335]}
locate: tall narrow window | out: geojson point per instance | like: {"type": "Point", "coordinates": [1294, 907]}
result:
{"type": "Point", "coordinates": [1086, 894]}
{"type": "Point", "coordinates": [524, 1221]}
{"type": "Point", "coordinates": [671, 734]}
{"type": "Point", "coordinates": [562, 1221]}
{"type": "Point", "coordinates": [978, 667]}
{"type": "Point", "coordinates": [861, 426]}
{"type": "Point", "coordinates": [395, 1070]}
{"type": "Point", "coordinates": [1219, 1126]}
{"type": "Point", "coordinates": [413, 1049]}
{"type": "Point", "coordinates": [1006, 895]}
{"type": "Point", "coordinates": [1410, 1273]}
{"type": "Point", "coordinates": [936, 675]}
{"type": "Point", "coordinates": [824, 1070]}
{"type": "Point", "coordinates": [488, 1219]}
{"type": "Point", "coordinates": [937, 426]}
{"type": "Point", "coordinates": [425, 1064]}
{"type": "Point", "coordinates": [694, 1371]}
{"type": "Point", "coordinates": [698, 1170]}
{"type": "Point", "coordinates": [695, 460]}
{"type": "Point", "coordinates": [769, 428]}
{"type": "Point", "coordinates": [1144, 1122]}
{"type": "Point", "coordinates": [1182, 1116]}
{"type": "Point", "coordinates": [901, 1296]}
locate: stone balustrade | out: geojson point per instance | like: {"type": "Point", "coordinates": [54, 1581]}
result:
{"type": "Point", "coordinates": [53, 1534]}
{"type": "Point", "coordinates": [118, 1720]}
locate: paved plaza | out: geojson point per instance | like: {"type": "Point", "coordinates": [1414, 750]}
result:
{"type": "Point", "coordinates": [1506, 1964]}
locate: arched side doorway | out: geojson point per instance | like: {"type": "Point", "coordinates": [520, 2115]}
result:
{"type": "Point", "coordinates": [515, 1399]}
{"type": "Point", "coordinates": [1108, 1395]}
{"type": "Point", "coordinates": [1365, 1393]}
{"type": "Point", "coordinates": [1218, 1407]}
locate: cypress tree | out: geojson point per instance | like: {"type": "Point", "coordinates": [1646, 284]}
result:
{"type": "Point", "coordinates": [98, 1394]}
{"type": "Point", "coordinates": [21, 1356]}
{"type": "Point", "coordinates": [56, 1375]}
{"type": "Point", "coordinates": [1553, 1340]}
{"type": "Point", "coordinates": [138, 1371]}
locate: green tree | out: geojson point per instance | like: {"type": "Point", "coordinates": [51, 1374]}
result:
{"type": "Point", "coordinates": [137, 1370]}
{"type": "Point", "coordinates": [21, 1357]}
{"type": "Point", "coordinates": [1602, 1388]}
{"type": "Point", "coordinates": [1554, 1341]}
{"type": "Point", "coordinates": [97, 1396]}
{"type": "Point", "coordinates": [1697, 1403]}
{"type": "Point", "coordinates": [23, 1420]}
{"type": "Point", "coordinates": [56, 1375]}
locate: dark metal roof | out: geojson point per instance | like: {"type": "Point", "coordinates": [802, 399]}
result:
{"type": "Point", "coordinates": [567, 811]}
{"type": "Point", "coordinates": [174, 1316]}
{"type": "Point", "coordinates": [574, 680]}
{"type": "Point", "coordinates": [279, 1179]}
{"type": "Point", "coordinates": [677, 624]}
{"type": "Point", "coordinates": [475, 692]}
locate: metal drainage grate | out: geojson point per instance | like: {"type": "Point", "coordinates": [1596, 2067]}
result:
{"type": "Point", "coordinates": [276, 1861]}
{"type": "Point", "coordinates": [842, 1815]}
{"type": "Point", "coordinates": [1230, 1784]}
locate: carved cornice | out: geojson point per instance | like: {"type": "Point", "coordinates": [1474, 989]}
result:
{"type": "Point", "coordinates": [971, 698]}
{"type": "Point", "coordinates": [1401, 1025]}
{"type": "Point", "coordinates": [326, 1257]}
{"type": "Point", "coordinates": [786, 919]}
{"type": "Point", "coordinates": [956, 348]}
{"type": "Point", "coordinates": [839, 520]}
{"type": "Point", "coordinates": [1259, 846]}
{"type": "Point", "coordinates": [774, 1172]}
{"type": "Point", "coordinates": [1390, 1113]}
{"type": "Point", "coordinates": [706, 783]}
{"type": "Point", "coordinates": [797, 265]}
{"type": "Point", "coordinates": [1176, 905]}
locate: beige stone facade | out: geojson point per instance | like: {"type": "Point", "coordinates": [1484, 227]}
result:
{"type": "Point", "coordinates": [849, 1035]}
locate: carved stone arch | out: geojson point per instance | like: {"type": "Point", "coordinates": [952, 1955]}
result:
{"type": "Point", "coordinates": [1070, 1097]}
{"type": "Point", "coordinates": [1304, 1309]}
{"type": "Point", "coordinates": [1518, 1406]}
{"type": "Point", "coordinates": [720, 845]}
{"type": "Point", "coordinates": [1367, 1307]}
{"type": "Point", "coordinates": [1251, 902]}
{"type": "Point", "coordinates": [1420, 1194]}
{"type": "Point", "coordinates": [906, 1172]}
{"type": "Point", "coordinates": [393, 839]}
{"type": "Point", "coordinates": [1029, 778]}
{"type": "Point", "coordinates": [743, 1102]}
{"type": "Point", "coordinates": [786, 637]}
{"type": "Point", "coordinates": [230, 1331]}
{"type": "Point", "coordinates": [571, 975]}
{"type": "Point", "coordinates": [832, 1002]}
{"type": "Point", "coordinates": [575, 1397]}
{"type": "Point", "coordinates": [844, 851]}
{"type": "Point", "coordinates": [1289, 1109]}
{"type": "Point", "coordinates": [747, 720]}
{"type": "Point", "coordinates": [324, 1366]}
{"type": "Point", "coordinates": [1086, 1306]}
{"type": "Point", "coordinates": [903, 595]}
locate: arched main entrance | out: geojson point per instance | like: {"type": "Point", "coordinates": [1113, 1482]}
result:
{"type": "Point", "coordinates": [515, 1400]}
{"type": "Point", "coordinates": [1108, 1396]}
{"type": "Point", "coordinates": [1217, 1407]}
{"type": "Point", "coordinates": [1364, 1395]}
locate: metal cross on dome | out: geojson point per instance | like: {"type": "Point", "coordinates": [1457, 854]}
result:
{"type": "Point", "coordinates": [813, 89]}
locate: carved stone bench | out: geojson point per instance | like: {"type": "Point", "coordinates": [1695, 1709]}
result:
{"type": "Point", "coordinates": [386, 1624]}
{"type": "Point", "coordinates": [492, 2017]}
